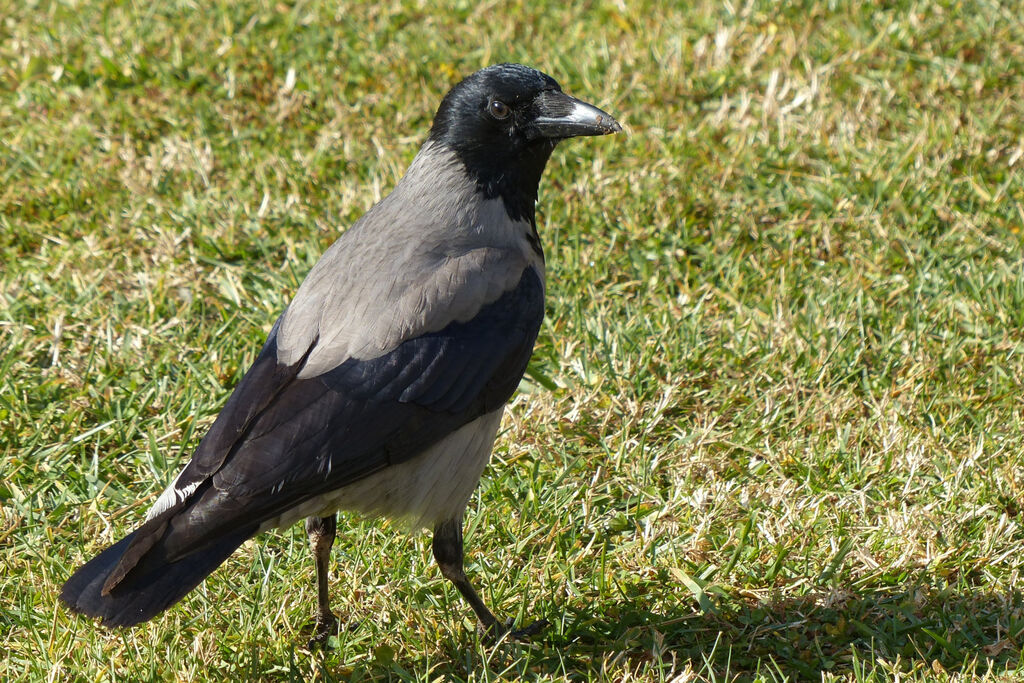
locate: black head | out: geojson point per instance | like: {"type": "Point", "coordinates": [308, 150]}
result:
{"type": "Point", "coordinates": [503, 123]}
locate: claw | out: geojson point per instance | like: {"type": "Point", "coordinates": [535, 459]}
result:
{"type": "Point", "coordinates": [533, 629]}
{"type": "Point", "coordinates": [498, 631]}
{"type": "Point", "coordinates": [323, 629]}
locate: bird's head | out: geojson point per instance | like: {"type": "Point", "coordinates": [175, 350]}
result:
{"type": "Point", "coordinates": [503, 123]}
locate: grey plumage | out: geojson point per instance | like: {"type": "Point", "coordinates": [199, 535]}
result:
{"type": "Point", "coordinates": [456, 254]}
{"type": "Point", "coordinates": [381, 386]}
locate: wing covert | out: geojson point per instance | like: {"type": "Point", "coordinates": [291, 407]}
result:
{"type": "Point", "coordinates": [308, 436]}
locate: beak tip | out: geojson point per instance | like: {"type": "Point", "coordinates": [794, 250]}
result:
{"type": "Point", "coordinates": [606, 124]}
{"type": "Point", "coordinates": [570, 117]}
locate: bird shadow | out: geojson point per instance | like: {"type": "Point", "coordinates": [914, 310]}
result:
{"type": "Point", "coordinates": [800, 638]}
{"type": "Point", "coordinates": [904, 629]}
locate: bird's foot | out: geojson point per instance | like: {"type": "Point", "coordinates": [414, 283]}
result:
{"type": "Point", "coordinates": [499, 631]}
{"type": "Point", "coordinates": [325, 626]}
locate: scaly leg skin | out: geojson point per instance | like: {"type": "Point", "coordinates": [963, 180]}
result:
{"type": "Point", "coordinates": [321, 532]}
{"type": "Point", "coordinates": [447, 547]}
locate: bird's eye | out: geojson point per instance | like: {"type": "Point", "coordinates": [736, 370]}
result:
{"type": "Point", "coordinates": [498, 109]}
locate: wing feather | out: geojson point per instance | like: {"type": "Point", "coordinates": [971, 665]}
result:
{"type": "Point", "coordinates": [300, 438]}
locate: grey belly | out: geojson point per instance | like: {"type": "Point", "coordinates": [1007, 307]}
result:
{"type": "Point", "coordinates": [418, 493]}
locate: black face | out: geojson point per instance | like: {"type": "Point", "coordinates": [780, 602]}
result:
{"type": "Point", "coordinates": [492, 108]}
{"type": "Point", "coordinates": [503, 123]}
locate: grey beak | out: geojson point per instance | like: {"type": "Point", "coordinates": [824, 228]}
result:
{"type": "Point", "coordinates": [562, 116]}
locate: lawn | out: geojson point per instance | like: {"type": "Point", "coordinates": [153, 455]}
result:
{"type": "Point", "coordinates": [772, 428]}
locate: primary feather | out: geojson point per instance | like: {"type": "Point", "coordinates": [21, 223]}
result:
{"type": "Point", "coordinates": [381, 386]}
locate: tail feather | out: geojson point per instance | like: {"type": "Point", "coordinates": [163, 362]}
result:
{"type": "Point", "coordinates": [152, 586]}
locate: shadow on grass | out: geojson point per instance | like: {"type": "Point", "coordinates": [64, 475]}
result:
{"type": "Point", "coordinates": [904, 629]}
{"type": "Point", "coordinates": [800, 638]}
{"type": "Point", "coordinates": [841, 633]}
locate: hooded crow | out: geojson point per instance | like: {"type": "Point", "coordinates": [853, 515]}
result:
{"type": "Point", "coordinates": [381, 386]}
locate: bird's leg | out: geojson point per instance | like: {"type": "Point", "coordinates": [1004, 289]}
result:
{"type": "Point", "coordinates": [447, 547]}
{"type": "Point", "coordinates": [321, 532]}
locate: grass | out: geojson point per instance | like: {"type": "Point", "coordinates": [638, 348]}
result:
{"type": "Point", "coordinates": [773, 427]}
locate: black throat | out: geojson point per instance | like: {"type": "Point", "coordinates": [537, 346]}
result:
{"type": "Point", "coordinates": [512, 177]}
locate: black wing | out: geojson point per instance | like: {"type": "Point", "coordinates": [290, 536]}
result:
{"type": "Point", "coordinates": [281, 440]}
{"type": "Point", "coordinates": [318, 434]}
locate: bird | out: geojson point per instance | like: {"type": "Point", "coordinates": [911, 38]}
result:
{"type": "Point", "coordinates": [380, 388]}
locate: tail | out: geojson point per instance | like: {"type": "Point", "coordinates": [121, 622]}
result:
{"type": "Point", "coordinates": [150, 587]}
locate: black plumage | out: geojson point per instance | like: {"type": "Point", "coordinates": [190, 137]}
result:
{"type": "Point", "coordinates": [342, 408]}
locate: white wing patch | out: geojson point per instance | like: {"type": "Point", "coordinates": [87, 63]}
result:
{"type": "Point", "coordinates": [171, 496]}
